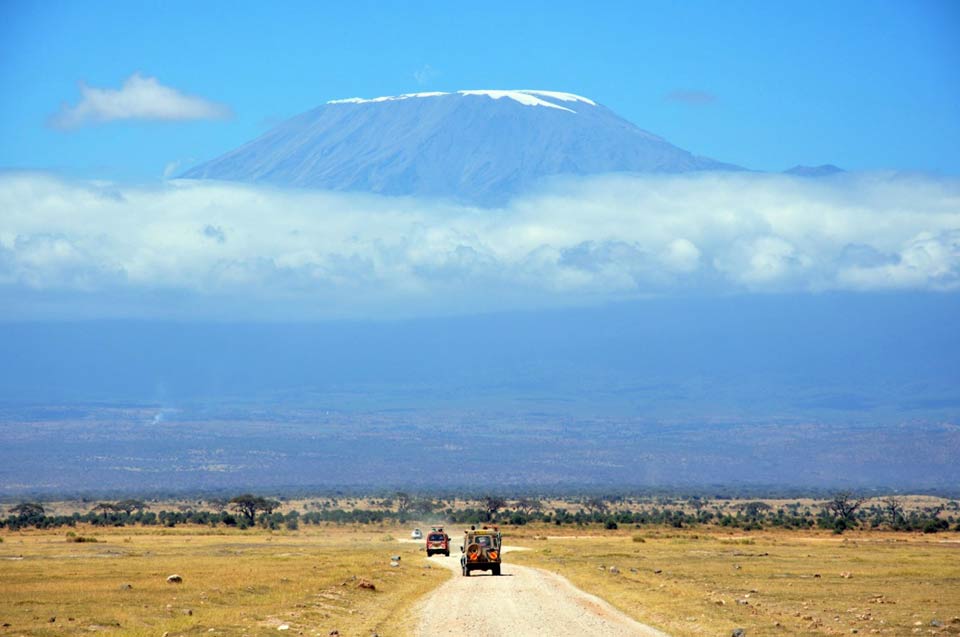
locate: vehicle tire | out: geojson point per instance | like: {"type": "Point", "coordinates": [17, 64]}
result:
{"type": "Point", "coordinates": [446, 553]}
{"type": "Point", "coordinates": [496, 569]}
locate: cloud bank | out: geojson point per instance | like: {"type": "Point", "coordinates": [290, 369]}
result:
{"type": "Point", "coordinates": [220, 250]}
{"type": "Point", "coordinates": [140, 98]}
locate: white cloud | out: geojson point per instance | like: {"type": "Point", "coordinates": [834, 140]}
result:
{"type": "Point", "coordinates": [758, 261]}
{"type": "Point", "coordinates": [425, 74]}
{"type": "Point", "coordinates": [266, 252]}
{"type": "Point", "coordinates": [681, 255]}
{"type": "Point", "coordinates": [140, 98]}
{"type": "Point", "coordinates": [927, 260]}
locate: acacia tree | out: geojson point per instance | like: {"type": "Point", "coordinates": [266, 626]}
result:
{"type": "Point", "coordinates": [753, 510]}
{"type": "Point", "coordinates": [403, 501]}
{"type": "Point", "coordinates": [27, 513]}
{"type": "Point", "coordinates": [129, 506]}
{"type": "Point", "coordinates": [218, 504]}
{"type": "Point", "coordinates": [597, 505]}
{"type": "Point", "coordinates": [529, 505]}
{"type": "Point", "coordinates": [248, 505]}
{"type": "Point", "coordinates": [698, 503]}
{"type": "Point", "coordinates": [423, 505]}
{"type": "Point", "coordinates": [844, 507]}
{"type": "Point", "coordinates": [493, 504]}
{"type": "Point", "coordinates": [27, 510]}
{"type": "Point", "coordinates": [893, 507]}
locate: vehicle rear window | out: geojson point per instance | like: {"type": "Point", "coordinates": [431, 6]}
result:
{"type": "Point", "coordinates": [436, 537]}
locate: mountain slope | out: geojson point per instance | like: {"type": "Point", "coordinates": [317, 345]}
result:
{"type": "Point", "coordinates": [824, 170]}
{"type": "Point", "coordinates": [476, 146]}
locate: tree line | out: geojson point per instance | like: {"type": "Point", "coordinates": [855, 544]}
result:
{"type": "Point", "coordinates": [842, 512]}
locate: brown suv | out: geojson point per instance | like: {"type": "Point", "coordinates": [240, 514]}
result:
{"type": "Point", "coordinates": [481, 551]}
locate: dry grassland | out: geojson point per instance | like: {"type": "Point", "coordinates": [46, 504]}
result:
{"type": "Point", "coordinates": [686, 582]}
{"type": "Point", "coordinates": [691, 583]}
{"type": "Point", "coordinates": [234, 583]}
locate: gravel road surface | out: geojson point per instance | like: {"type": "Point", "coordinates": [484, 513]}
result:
{"type": "Point", "coordinates": [522, 602]}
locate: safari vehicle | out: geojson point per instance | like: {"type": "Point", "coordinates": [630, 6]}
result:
{"type": "Point", "coordinates": [416, 535]}
{"type": "Point", "coordinates": [438, 542]}
{"type": "Point", "coordinates": [481, 551]}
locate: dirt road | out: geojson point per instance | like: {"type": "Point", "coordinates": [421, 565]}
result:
{"type": "Point", "coordinates": [521, 602]}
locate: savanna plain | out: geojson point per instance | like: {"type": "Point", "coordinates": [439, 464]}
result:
{"type": "Point", "coordinates": [347, 579]}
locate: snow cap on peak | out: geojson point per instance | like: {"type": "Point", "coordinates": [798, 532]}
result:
{"type": "Point", "coordinates": [548, 99]}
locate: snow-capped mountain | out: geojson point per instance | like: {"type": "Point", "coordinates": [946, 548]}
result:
{"type": "Point", "coordinates": [475, 146]}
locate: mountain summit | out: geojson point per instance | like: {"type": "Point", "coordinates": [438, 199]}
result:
{"type": "Point", "coordinates": [475, 146]}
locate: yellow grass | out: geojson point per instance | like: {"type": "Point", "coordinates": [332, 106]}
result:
{"type": "Point", "coordinates": [234, 583]}
{"type": "Point", "coordinates": [710, 583]}
{"type": "Point", "coordinates": [251, 582]}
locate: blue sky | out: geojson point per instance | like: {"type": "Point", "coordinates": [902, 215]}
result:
{"type": "Point", "coordinates": [865, 85]}
{"type": "Point", "coordinates": [102, 100]}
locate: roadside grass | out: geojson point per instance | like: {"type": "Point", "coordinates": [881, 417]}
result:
{"type": "Point", "coordinates": [252, 582]}
{"type": "Point", "coordinates": [234, 583]}
{"type": "Point", "coordinates": [694, 583]}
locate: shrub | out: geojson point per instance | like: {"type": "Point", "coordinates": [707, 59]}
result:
{"type": "Point", "coordinates": [638, 538]}
{"type": "Point", "coordinates": [81, 539]}
{"type": "Point", "coordinates": [935, 526]}
{"type": "Point", "coordinates": [839, 526]}
{"type": "Point", "coordinates": [518, 519]}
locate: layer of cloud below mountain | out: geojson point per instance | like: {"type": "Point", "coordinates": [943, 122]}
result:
{"type": "Point", "coordinates": [213, 249]}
